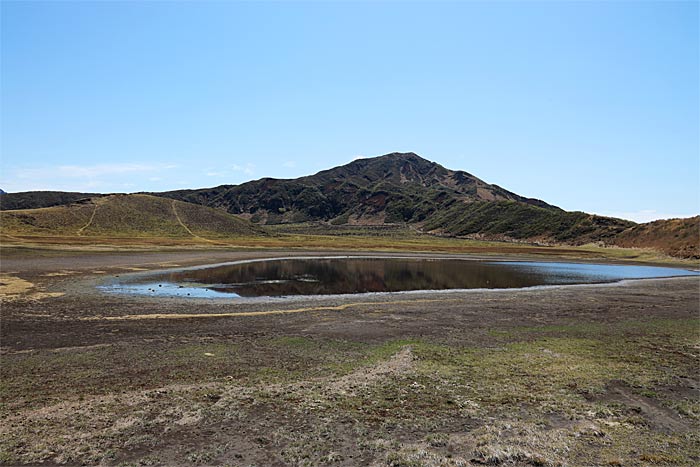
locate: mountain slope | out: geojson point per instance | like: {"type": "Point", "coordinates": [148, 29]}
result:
{"type": "Point", "coordinates": [405, 188]}
{"type": "Point", "coordinates": [397, 187]}
{"type": "Point", "coordinates": [507, 220]}
{"type": "Point", "coordinates": [127, 216]}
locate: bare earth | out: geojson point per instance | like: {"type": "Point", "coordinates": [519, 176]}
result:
{"type": "Point", "coordinates": [578, 375]}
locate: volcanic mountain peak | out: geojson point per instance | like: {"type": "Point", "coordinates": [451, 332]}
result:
{"type": "Point", "coordinates": [414, 172]}
{"type": "Point", "coordinates": [397, 160]}
{"type": "Point", "coordinates": [396, 187]}
{"type": "Point", "coordinates": [388, 166]}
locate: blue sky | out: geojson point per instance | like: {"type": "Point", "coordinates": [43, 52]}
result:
{"type": "Point", "coordinates": [591, 106]}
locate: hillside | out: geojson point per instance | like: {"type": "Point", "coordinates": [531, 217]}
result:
{"type": "Point", "coordinates": [398, 190]}
{"type": "Point", "coordinates": [127, 216]}
{"type": "Point", "coordinates": [41, 199]}
{"type": "Point", "coordinates": [675, 237]}
{"type": "Point", "coordinates": [508, 220]}
{"type": "Point", "coordinates": [405, 188]}
{"type": "Point", "coordinates": [397, 187]}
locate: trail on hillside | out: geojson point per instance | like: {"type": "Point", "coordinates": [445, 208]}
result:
{"type": "Point", "coordinates": [80, 230]}
{"type": "Point", "coordinates": [179, 220]}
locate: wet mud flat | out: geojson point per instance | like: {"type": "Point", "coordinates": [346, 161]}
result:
{"type": "Point", "coordinates": [577, 375]}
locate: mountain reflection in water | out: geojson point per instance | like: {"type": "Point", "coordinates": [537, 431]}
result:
{"type": "Point", "coordinates": [324, 276]}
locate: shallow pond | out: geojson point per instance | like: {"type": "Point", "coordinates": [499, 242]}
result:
{"type": "Point", "coordinates": [349, 275]}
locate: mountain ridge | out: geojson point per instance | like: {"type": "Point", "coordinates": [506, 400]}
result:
{"type": "Point", "coordinates": [405, 188]}
{"type": "Point", "coordinates": [395, 187]}
{"type": "Point", "coordinates": [41, 199]}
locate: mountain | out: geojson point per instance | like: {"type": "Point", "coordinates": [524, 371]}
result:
{"type": "Point", "coordinates": [395, 189]}
{"type": "Point", "coordinates": [405, 188]}
{"type": "Point", "coordinates": [127, 216]}
{"type": "Point", "coordinates": [398, 187]}
{"type": "Point", "coordinates": [40, 199]}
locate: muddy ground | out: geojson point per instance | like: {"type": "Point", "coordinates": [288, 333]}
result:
{"type": "Point", "coordinates": [578, 375]}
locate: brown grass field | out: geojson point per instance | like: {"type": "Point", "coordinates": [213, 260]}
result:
{"type": "Point", "coordinates": [568, 376]}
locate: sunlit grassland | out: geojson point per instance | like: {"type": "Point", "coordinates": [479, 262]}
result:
{"type": "Point", "coordinates": [359, 242]}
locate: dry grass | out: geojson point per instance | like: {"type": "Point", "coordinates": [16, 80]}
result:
{"type": "Point", "coordinates": [422, 243]}
{"type": "Point", "coordinates": [13, 288]}
{"type": "Point", "coordinates": [129, 216]}
{"type": "Point", "coordinates": [401, 403]}
{"type": "Point", "coordinates": [342, 307]}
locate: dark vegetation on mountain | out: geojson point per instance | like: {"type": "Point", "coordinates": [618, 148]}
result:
{"type": "Point", "coordinates": [41, 199]}
{"type": "Point", "coordinates": [128, 216]}
{"type": "Point", "coordinates": [394, 188]}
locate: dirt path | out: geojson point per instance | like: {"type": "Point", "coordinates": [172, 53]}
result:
{"type": "Point", "coordinates": [661, 417]}
{"type": "Point", "coordinates": [398, 363]}
{"type": "Point", "coordinates": [179, 220]}
{"type": "Point", "coordinates": [342, 307]}
{"type": "Point", "coordinates": [92, 217]}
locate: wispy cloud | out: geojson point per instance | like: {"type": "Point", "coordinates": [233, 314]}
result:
{"type": "Point", "coordinates": [87, 171]}
{"type": "Point", "coordinates": [97, 177]}
{"type": "Point", "coordinates": [290, 164]}
{"type": "Point", "coordinates": [247, 169]}
{"type": "Point", "coordinates": [230, 171]}
{"type": "Point", "coordinates": [644, 215]}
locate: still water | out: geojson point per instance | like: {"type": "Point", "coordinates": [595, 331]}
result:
{"type": "Point", "coordinates": [326, 276]}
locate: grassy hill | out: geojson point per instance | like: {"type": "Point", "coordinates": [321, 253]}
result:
{"type": "Point", "coordinates": [508, 220]}
{"type": "Point", "coordinates": [675, 237]}
{"type": "Point", "coordinates": [127, 216]}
